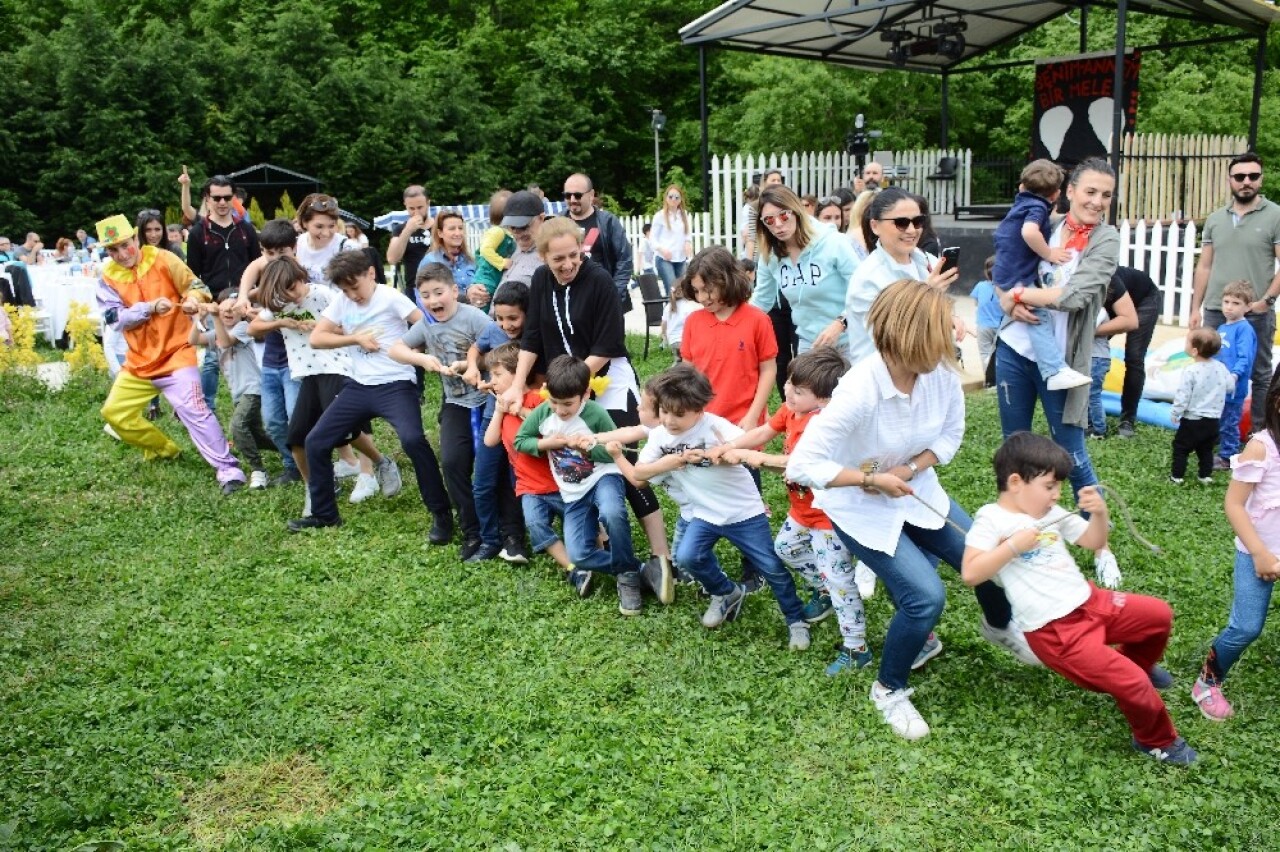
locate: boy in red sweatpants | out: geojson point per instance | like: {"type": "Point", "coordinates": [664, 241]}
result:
{"type": "Point", "coordinates": [1071, 624]}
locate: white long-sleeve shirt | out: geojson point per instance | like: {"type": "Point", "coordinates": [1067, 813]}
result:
{"type": "Point", "coordinates": [671, 237]}
{"type": "Point", "coordinates": [868, 419]}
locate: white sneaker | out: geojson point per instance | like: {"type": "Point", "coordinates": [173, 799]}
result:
{"type": "Point", "coordinates": [106, 427]}
{"type": "Point", "coordinates": [1012, 640]}
{"type": "Point", "coordinates": [366, 487]}
{"type": "Point", "coordinates": [798, 639]}
{"type": "Point", "coordinates": [306, 504]}
{"type": "Point", "coordinates": [1066, 379]}
{"type": "Point", "coordinates": [344, 469]}
{"type": "Point", "coordinates": [898, 711]}
{"type": "Point", "coordinates": [1107, 569]}
{"type": "Point", "coordinates": [388, 476]}
{"type": "Point", "coordinates": [865, 579]}
{"type": "Point", "coordinates": [258, 479]}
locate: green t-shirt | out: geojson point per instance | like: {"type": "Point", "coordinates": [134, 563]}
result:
{"type": "Point", "coordinates": [1241, 250]}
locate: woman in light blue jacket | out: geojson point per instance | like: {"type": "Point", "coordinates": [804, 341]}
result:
{"type": "Point", "coordinates": [807, 261]}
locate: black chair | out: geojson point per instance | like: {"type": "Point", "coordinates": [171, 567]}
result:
{"type": "Point", "coordinates": [654, 301]}
{"type": "Point", "coordinates": [949, 171]}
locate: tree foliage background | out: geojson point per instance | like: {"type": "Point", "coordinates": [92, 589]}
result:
{"type": "Point", "coordinates": [107, 99]}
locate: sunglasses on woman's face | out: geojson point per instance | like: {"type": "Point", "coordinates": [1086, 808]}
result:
{"type": "Point", "coordinates": [781, 218]}
{"type": "Point", "coordinates": [673, 196]}
{"type": "Point", "coordinates": [903, 222]}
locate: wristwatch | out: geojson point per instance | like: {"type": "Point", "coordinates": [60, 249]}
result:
{"type": "Point", "coordinates": [845, 322]}
{"type": "Point", "coordinates": [1270, 300]}
{"type": "Point", "coordinates": [913, 467]}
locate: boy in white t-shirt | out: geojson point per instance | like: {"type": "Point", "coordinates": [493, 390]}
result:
{"type": "Point", "coordinates": [721, 500]}
{"type": "Point", "coordinates": [369, 319]}
{"type": "Point", "coordinates": [1071, 624]}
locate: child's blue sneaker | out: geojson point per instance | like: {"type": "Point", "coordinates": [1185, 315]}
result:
{"type": "Point", "coordinates": [818, 608]}
{"type": "Point", "coordinates": [1177, 753]}
{"type": "Point", "coordinates": [848, 660]}
{"type": "Point", "coordinates": [1160, 678]}
{"type": "Point", "coordinates": [932, 647]}
{"type": "Point", "coordinates": [580, 580]}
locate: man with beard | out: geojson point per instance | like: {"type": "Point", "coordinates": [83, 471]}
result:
{"type": "Point", "coordinates": [411, 242]}
{"type": "Point", "coordinates": [1241, 242]}
{"type": "Point", "coordinates": [604, 239]}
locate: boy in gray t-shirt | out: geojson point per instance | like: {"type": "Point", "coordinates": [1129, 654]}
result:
{"type": "Point", "coordinates": [229, 334]}
{"type": "Point", "coordinates": [439, 343]}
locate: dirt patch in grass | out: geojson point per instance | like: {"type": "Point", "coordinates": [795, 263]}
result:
{"type": "Point", "coordinates": [278, 792]}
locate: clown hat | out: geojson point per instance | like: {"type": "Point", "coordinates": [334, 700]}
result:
{"type": "Point", "coordinates": [114, 230]}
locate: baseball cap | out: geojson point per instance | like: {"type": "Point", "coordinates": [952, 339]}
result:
{"type": "Point", "coordinates": [522, 208]}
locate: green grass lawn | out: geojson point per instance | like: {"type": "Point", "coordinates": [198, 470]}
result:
{"type": "Point", "coordinates": [177, 672]}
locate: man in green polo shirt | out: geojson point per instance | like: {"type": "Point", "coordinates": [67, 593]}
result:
{"type": "Point", "coordinates": [1241, 242]}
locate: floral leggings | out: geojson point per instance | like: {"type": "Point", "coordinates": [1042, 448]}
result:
{"type": "Point", "coordinates": [822, 559]}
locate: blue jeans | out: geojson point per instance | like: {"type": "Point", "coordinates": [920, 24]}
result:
{"type": "Point", "coordinates": [540, 511]}
{"type": "Point", "coordinates": [605, 504]}
{"type": "Point", "coordinates": [1018, 386]}
{"type": "Point", "coordinates": [209, 377]}
{"type": "Point", "coordinates": [495, 495]}
{"type": "Point", "coordinates": [1050, 359]}
{"type": "Point", "coordinates": [917, 591]}
{"type": "Point", "coordinates": [1098, 417]}
{"type": "Point", "coordinates": [1229, 428]}
{"type": "Point", "coordinates": [1249, 602]}
{"type": "Point", "coordinates": [279, 393]}
{"type": "Point", "coordinates": [754, 538]}
{"type": "Point", "coordinates": [669, 272]}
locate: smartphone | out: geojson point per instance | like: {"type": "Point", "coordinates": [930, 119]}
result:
{"type": "Point", "coordinates": [951, 257]}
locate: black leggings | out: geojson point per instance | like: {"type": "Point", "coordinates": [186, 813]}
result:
{"type": "Point", "coordinates": [643, 501]}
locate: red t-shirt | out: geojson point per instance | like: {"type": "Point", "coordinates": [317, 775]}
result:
{"type": "Point", "coordinates": [533, 473]}
{"type": "Point", "coordinates": [729, 352]}
{"type": "Point", "coordinates": [792, 426]}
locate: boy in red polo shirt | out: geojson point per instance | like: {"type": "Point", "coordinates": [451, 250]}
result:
{"type": "Point", "coordinates": [149, 296]}
{"type": "Point", "coordinates": [807, 543]}
{"type": "Point", "coordinates": [730, 341]}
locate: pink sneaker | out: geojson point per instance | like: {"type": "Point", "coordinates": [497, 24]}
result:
{"type": "Point", "coordinates": [1212, 703]}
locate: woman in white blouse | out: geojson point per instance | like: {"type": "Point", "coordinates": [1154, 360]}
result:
{"type": "Point", "coordinates": [893, 224]}
{"type": "Point", "coordinates": [669, 236]}
{"type": "Point", "coordinates": [894, 416]}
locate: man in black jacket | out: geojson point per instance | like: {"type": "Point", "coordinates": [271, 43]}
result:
{"type": "Point", "coordinates": [219, 247]}
{"type": "Point", "coordinates": [604, 239]}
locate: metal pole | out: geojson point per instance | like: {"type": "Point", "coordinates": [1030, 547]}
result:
{"type": "Point", "coordinates": [657, 168]}
{"type": "Point", "coordinates": [1259, 65]}
{"type": "Point", "coordinates": [946, 106]}
{"type": "Point", "coordinates": [1117, 92]}
{"type": "Point", "coordinates": [702, 112]}
{"type": "Point", "coordinates": [1084, 28]}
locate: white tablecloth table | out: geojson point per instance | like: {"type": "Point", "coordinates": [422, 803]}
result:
{"type": "Point", "coordinates": [55, 289]}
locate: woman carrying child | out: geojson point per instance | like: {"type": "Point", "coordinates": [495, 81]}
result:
{"type": "Point", "coordinates": [895, 416]}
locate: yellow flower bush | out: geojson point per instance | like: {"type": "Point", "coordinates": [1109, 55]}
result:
{"type": "Point", "coordinates": [21, 356]}
{"type": "Point", "coordinates": [86, 352]}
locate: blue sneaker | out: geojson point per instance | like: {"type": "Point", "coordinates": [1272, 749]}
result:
{"type": "Point", "coordinates": [1177, 753]}
{"type": "Point", "coordinates": [1160, 678]}
{"type": "Point", "coordinates": [580, 580]}
{"type": "Point", "coordinates": [932, 648]}
{"type": "Point", "coordinates": [818, 608]}
{"type": "Point", "coordinates": [848, 661]}
{"type": "Point", "coordinates": [724, 607]}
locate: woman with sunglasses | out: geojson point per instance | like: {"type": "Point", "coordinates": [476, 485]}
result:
{"type": "Point", "coordinates": [893, 224]}
{"type": "Point", "coordinates": [807, 262]}
{"type": "Point", "coordinates": [669, 236]}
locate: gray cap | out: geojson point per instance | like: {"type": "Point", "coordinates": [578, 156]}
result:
{"type": "Point", "coordinates": [522, 207]}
